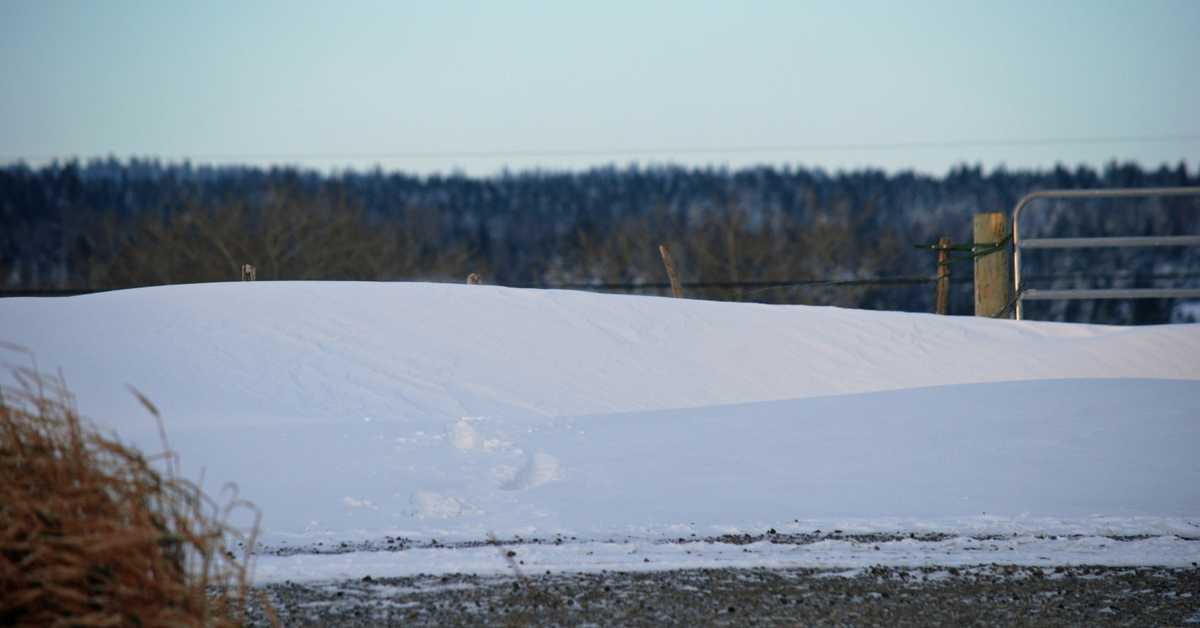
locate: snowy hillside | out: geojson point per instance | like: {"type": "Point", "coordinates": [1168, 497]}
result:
{"type": "Point", "coordinates": [639, 431]}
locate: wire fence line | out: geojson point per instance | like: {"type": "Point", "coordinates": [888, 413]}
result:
{"type": "Point", "coordinates": [765, 285]}
{"type": "Point", "coordinates": [758, 286]}
{"type": "Point", "coordinates": [615, 287]}
{"type": "Point", "coordinates": [750, 286]}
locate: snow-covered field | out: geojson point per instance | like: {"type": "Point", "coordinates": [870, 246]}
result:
{"type": "Point", "coordinates": [627, 432]}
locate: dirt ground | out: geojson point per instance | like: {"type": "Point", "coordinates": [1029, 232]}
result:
{"type": "Point", "coordinates": [987, 595]}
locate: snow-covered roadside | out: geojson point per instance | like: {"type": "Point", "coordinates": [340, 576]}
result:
{"type": "Point", "coordinates": [869, 463]}
{"type": "Point", "coordinates": [848, 554]}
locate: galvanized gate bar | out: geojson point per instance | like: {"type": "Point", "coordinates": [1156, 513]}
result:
{"type": "Point", "coordinates": [1045, 243]}
{"type": "Point", "coordinates": [1080, 243]}
{"type": "Point", "coordinates": [1112, 293]}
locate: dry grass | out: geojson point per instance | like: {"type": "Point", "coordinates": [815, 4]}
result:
{"type": "Point", "coordinates": [92, 534]}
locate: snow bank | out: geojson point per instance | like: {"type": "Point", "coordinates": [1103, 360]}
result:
{"type": "Point", "coordinates": [353, 412]}
{"type": "Point", "coordinates": [264, 351]}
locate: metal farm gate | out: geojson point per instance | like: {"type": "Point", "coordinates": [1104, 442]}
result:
{"type": "Point", "coordinates": [1061, 243]}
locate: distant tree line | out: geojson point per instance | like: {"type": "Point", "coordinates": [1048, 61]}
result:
{"type": "Point", "coordinates": [762, 234]}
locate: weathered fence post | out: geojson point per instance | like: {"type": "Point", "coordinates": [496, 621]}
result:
{"type": "Point", "coordinates": [248, 272]}
{"type": "Point", "coordinates": [666, 255]}
{"type": "Point", "coordinates": [993, 272]}
{"type": "Point", "coordinates": [943, 277]}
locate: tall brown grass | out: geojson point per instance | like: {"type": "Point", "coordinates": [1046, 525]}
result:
{"type": "Point", "coordinates": [93, 534]}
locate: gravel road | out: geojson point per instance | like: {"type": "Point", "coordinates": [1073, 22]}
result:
{"type": "Point", "coordinates": [987, 595]}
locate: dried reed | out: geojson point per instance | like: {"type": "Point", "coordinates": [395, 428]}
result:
{"type": "Point", "coordinates": [92, 535]}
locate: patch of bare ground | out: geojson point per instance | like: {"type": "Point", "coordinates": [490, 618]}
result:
{"type": "Point", "coordinates": [988, 595]}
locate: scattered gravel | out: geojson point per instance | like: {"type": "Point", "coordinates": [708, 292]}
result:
{"type": "Point", "coordinates": [988, 595]}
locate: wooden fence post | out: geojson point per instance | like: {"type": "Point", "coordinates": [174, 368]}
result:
{"type": "Point", "coordinates": [666, 255]}
{"type": "Point", "coordinates": [248, 272]}
{"type": "Point", "coordinates": [943, 277]}
{"type": "Point", "coordinates": [993, 272]}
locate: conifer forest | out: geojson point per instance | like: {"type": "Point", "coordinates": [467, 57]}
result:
{"type": "Point", "coordinates": [769, 235]}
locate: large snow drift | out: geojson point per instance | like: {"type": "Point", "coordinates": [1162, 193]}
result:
{"type": "Point", "coordinates": [360, 412]}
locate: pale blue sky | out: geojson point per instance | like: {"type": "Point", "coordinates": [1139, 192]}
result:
{"type": "Point", "coordinates": [478, 86]}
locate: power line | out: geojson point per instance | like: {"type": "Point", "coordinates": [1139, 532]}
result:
{"type": "Point", "coordinates": [694, 150]}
